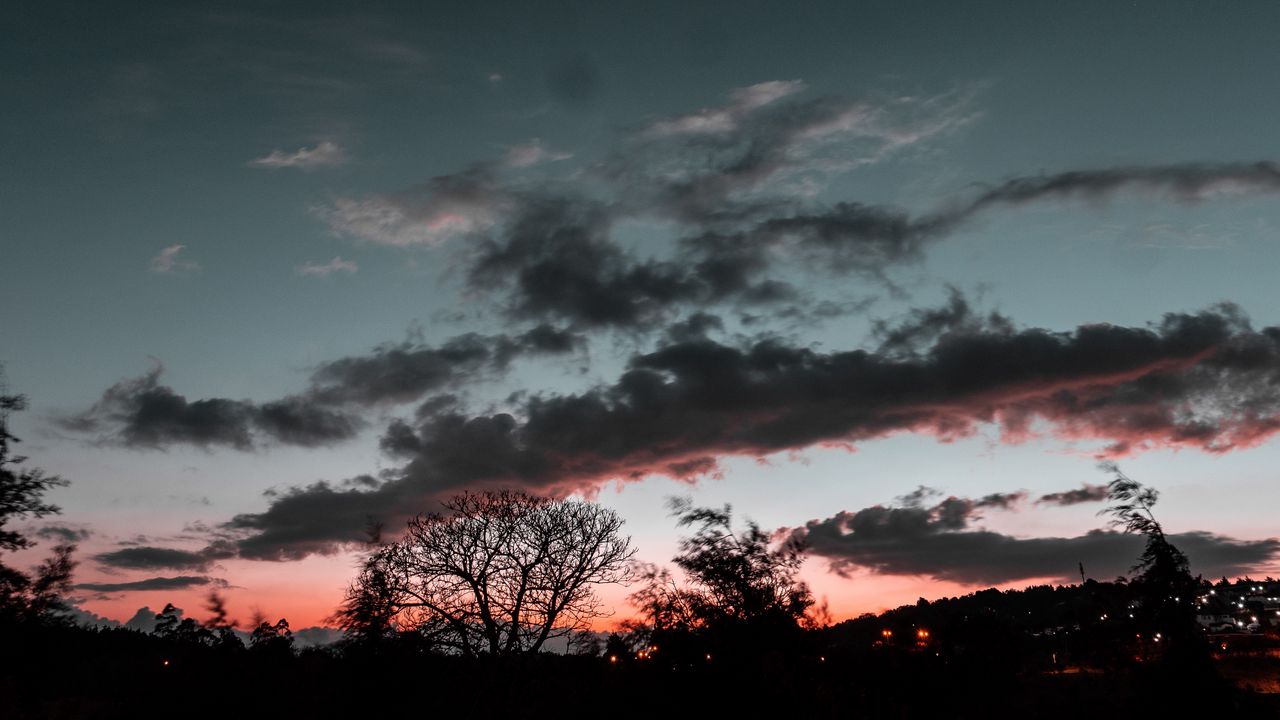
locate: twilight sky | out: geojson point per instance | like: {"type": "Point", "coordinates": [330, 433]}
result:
{"type": "Point", "coordinates": [891, 276]}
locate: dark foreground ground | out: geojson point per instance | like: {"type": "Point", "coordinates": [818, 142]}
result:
{"type": "Point", "coordinates": [73, 673]}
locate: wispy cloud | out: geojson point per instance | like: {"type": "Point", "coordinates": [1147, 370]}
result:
{"type": "Point", "coordinates": [336, 265]}
{"type": "Point", "coordinates": [167, 261]}
{"type": "Point", "coordinates": [726, 117]}
{"type": "Point", "coordinates": [532, 153]}
{"type": "Point", "coordinates": [444, 207]}
{"type": "Point", "coordinates": [326, 153]}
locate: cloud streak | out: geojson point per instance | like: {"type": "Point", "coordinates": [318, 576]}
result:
{"type": "Point", "coordinates": [181, 582]}
{"type": "Point", "coordinates": [159, 558]}
{"type": "Point", "coordinates": [1086, 493]}
{"type": "Point", "coordinates": [324, 154]}
{"type": "Point", "coordinates": [323, 270]}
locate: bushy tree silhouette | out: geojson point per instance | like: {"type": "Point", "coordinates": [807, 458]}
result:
{"type": "Point", "coordinates": [27, 596]}
{"type": "Point", "coordinates": [367, 615]}
{"type": "Point", "coordinates": [171, 625]}
{"type": "Point", "coordinates": [743, 596]}
{"type": "Point", "coordinates": [272, 638]}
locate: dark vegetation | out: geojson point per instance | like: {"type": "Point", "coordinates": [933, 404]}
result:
{"type": "Point", "coordinates": [457, 617]}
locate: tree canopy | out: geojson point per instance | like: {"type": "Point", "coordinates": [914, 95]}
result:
{"type": "Point", "coordinates": [22, 496]}
{"type": "Point", "coordinates": [498, 573]}
{"type": "Point", "coordinates": [742, 590]}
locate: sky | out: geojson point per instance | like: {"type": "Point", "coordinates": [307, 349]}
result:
{"type": "Point", "coordinates": [891, 277]}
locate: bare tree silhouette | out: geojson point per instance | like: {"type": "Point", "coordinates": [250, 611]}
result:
{"type": "Point", "coordinates": [500, 573]}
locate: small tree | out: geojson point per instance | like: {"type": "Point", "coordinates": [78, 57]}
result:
{"type": "Point", "coordinates": [500, 573]}
{"type": "Point", "coordinates": [222, 629]}
{"type": "Point", "coordinates": [743, 590]}
{"type": "Point", "coordinates": [367, 615]}
{"type": "Point", "coordinates": [1164, 585]}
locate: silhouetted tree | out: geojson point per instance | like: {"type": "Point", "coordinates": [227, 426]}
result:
{"type": "Point", "coordinates": [1165, 588]}
{"type": "Point", "coordinates": [172, 626]}
{"type": "Point", "coordinates": [500, 573]}
{"type": "Point", "coordinates": [616, 648]}
{"type": "Point", "coordinates": [22, 595]}
{"type": "Point", "coordinates": [268, 638]}
{"type": "Point", "coordinates": [219, 626]}
{"type": "Point", "coordinates": [368, 612]}
{"type": "Point", "coordinates": [744, 593]}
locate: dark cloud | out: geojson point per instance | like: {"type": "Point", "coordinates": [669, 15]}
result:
{"type": "Point", "coordinates": [62, 533]}
{"type": "Point", "coordinates": [154, 558]}
{"type": "Point", "coordinates": [940, 541]}
{"type": "Point", "coordinates": [1187, 182]}
{"type": "Point", "coordinates": [140, 412]}
{"type": "Point", "coordinates": [695, 327]}
{"type": "Point", "coordinates": [1086, 493]}
{"type": "Point", "coordinates": [405, 372]}
{"type": "Point", "coordinates": [1205, 380]}
{"type": "Point", "coordinates": [300, 420]}
{"type": "Point", "coordinates": [550, 340]}
{"type": "Point", "coordinates": [143, 413]}
{"type": "Point", "coordinates": [556, 260]}
{"type": "Point", "coordinates": [320, 519]}
{"type": "Point", "coordinates": [181, 582]}
{"type": "Point", "coordinates": [924, 326]}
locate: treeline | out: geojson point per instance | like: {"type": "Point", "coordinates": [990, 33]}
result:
{"type": "Point", "coordinates": [982, 655]}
